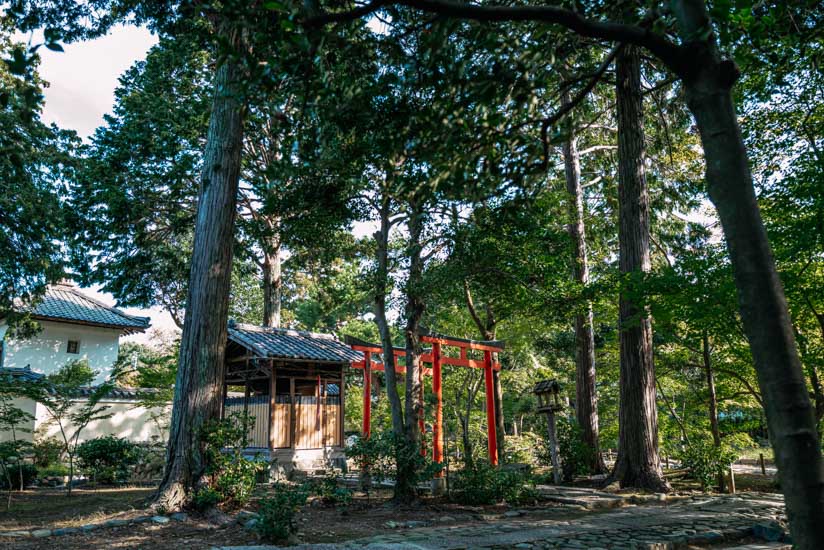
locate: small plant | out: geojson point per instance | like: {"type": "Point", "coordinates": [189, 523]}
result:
{"type": "Point", "coordinates": [53, 470]}
{"type": "Point", "coordinates": [330, 493]}
{"type": "Point", "coordinates": [576, 455]}
{"type": "Point", "coordinates": [230, 474]}
{"type": "Point", "coordinates": [706, 462]}
{"type": "Point", "coordinates": [485, 484]}
{"type": "Point", "coordinates": [276, 515]}
{"type": "Point", "coordinates": [47, 451]}
{"type": "Point", "coordinates": [108, 459]}
{"type": "Point", "coordinates": [205, 499]}
{"type": "Point", "coordinates": [383, 453]}
{"type": "Point", "coordinates": [22, 476]}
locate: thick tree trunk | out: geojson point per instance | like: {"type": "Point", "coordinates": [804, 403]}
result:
{"type": "Point", "coordinates": [763, 309]}
{"type": "Point", "coordinates": [200, 366]}
{"type": "Point", "coordinates": [413, 312]}
{"type": "Point", "coordinates": [586, 396]}
{"type": "Point", "coordinates": [638, 463]}
{"type": "Point", "coordinates": [272, 283]}
{"type": "Point", "coordinates": [790, 419]}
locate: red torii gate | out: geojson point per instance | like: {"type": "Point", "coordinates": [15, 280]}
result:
{"type": "Point", "coordinates": [435, 358]}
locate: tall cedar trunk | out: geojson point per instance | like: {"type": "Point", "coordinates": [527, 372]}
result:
{"type": "Point", "coordinates": [586, 396]}
{"type": "Point", "coordinates": [200, 366]}
{"type": "Point", "coordinates": [638, 463]}
{"type": "Point", "coordinates": [272, 282]}
{"type": "Point", "coordinates": [764, 314]}
{"type": "Point", "coordinates": [414, 312]}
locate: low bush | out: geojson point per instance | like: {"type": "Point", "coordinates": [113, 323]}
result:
{"type": "Point", "coordinates": [330, 493]}
{"type": "Point", "coordinates": [706, 462]}
{"type": "Point", "coordinates": [276, 514]}
{"type": "Point", "coordinates": [230, 475]}
{"type": "Point", "coordinates": [576, 455]}
{"type": "Point", "coordinates": [28, 471]}
{"type": "Point", "coordinates": [383, 452]}
{"type": "Point", "coordinates": [205, 499]}
{"type": "Point", "coordinates": [108, 459]}
{"type": "Point", "coordinates": [53, 470]}
{"type": "Point", "coordinates": [47, 451]}
{"type": "Point", "coordinates": [485, 484]}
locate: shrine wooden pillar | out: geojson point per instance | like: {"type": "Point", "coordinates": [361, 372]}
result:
{"type": "Point", "coordinates": [421, 418]}
{"type": "Point", "coordinates": [367, 393]}
{"type": "Point", "coordinates": [272, 406]}
{"type": "Point", "coordinates": [490, 409]}
{"type": "Point", "coordinates": [437, 389]}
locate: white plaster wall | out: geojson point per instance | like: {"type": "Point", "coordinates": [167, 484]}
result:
{"type": "Point", "coordinates": [127, 421]}
{"type": "Point", "coordinates": [46, 351]}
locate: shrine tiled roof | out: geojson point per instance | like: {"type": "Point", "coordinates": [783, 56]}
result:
{"type": "Point", "coordinates": [274, 343]}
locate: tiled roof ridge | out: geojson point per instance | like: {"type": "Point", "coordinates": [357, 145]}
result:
{"type": "Point", "coordinates": [285, 331]}
{"type": "Point", "coordinates": [70, 287]}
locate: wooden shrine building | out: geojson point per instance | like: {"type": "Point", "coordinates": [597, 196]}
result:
{"type": "Point", "coordinates": [292, 382]}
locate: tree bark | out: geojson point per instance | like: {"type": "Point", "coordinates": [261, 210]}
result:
{"type": "Point", "coordinates": [202, 348]}
{"type": "Point", "coordinates": [272, 282]}
{"type": "Point", "coordinates": [381, 291]}
{"type": "Point", "coordinates": [638, 463]}
{"type": "Point", "coordinates": [586, 396]}
{"type": "Point", "coordinates": [713, 399]}
{"type": "Point", "coordinates": [414, 311]}
{"type": "Point", "coordinates": [761, 301]}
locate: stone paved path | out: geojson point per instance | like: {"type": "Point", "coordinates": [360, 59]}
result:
{"type": "Point", "coordinates": [697, 520]}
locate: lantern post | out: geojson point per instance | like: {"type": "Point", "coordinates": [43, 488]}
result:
{"type": "Point", "coordinates": [548, 393]}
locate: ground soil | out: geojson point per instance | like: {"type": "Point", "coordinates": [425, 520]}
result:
{"type": "Point", "coordinates": [51, 509]}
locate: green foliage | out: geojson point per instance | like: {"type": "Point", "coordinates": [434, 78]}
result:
{"type": "Point", "coordinates": [706, 462]}
{"type": "Point", "coordinates": [206, 498]}
{"type": "Point", "coordinates": [231, 476]}
{"type": "Point", "coordinates": [276, 513]}
{"type": "Point", "coordinates": [47, 451]}
{"type": "Point", "coordinates": [15, 471]}
{"type": "Point", "coordinates": [108, 459]}
{"type": "Point", "coordinates": [53, 470]}
{"type": "Point", "coordinates": [576, 456]}
{"type": "Point", "coordinates": [383, 453]}
{"type": "Point", "coordinates": [330, 492]}
{"type": "Point", "coordinates": [485, 484]}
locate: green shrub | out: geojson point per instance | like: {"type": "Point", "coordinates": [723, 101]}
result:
{"type": "Point", "coordinates": [706, 462]}
{"type": "Point", "coordinates": [276, 514]}
{"type": "Point", "coordinates": [230, 474]}
{"type": "Point", "coordinates": [53, 470]}
{"type": "Point", "coordinates": [108, 459]}
{"type": "Point", "coordinates": [29, 472]}
{"type": "Point", "coordinates": [485, 484]}
{"type": "Point", "coordinates": [383, 452]}
{"type": "Point", "coordinates": [205, 498]}
{"type": "Point", "coordinates": [47, 451]}
{"type": "Point", "coordinates": [330, 493]}
{"type": "Point", "coordinates": [576, 455]}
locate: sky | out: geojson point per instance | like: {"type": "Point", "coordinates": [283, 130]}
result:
{"type": "Point", "coordinates": [82, 80]}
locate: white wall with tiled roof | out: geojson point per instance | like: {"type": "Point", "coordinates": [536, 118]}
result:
{"type": "Point", "coordinates": [46, 352]}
